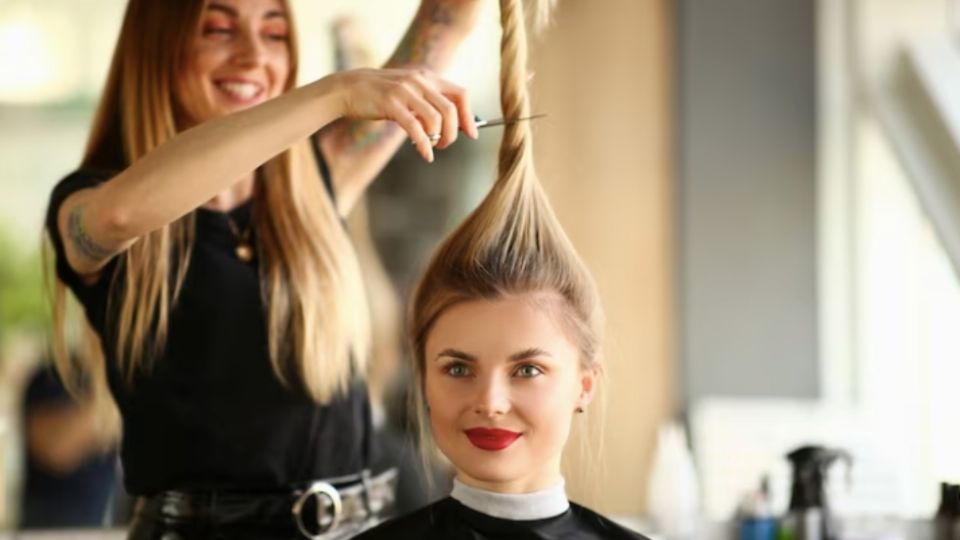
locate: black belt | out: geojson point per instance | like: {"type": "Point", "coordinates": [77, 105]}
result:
{"type": "Point", "coordinates": [327, 509]}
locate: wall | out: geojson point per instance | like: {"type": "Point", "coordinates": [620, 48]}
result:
{"type": "Point", "coordinates": [603, 74]}
{"type": "Point", "coordinates": [747, 198]}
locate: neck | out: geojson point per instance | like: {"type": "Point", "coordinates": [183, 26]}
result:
{"type": "Point", "coordinates": [546, 477]}
{"type": "Point", "coordinates": [541, 504]}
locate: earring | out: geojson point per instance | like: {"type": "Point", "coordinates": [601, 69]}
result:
{"type": "Point", "coordinates": [579, 410]}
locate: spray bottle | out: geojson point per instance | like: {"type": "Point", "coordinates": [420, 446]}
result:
{"type": "Point", "coordinates": [809, 516]}
{"type": "Point", "coordinates": [947, 521]}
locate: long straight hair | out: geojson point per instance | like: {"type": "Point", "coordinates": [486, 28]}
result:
{"type": "Point", "coordinates": [512, 243]}
{"type": "Point", "coordinates": [313, 296]}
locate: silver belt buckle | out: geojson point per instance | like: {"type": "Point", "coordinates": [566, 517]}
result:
{"type": "Point", "coordinates": [329, 509]}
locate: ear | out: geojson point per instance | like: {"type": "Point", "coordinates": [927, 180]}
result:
{"type": "Point", "coordinates": [588, 384]}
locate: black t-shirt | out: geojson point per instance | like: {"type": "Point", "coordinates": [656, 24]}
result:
{"type": "Point", "coordinates": [448, 519]}
{"type": "Point", "coordinates": [210, 413]}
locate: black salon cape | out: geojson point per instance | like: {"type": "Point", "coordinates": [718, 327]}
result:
{"type": "Point", "coordinates": [448, 519]}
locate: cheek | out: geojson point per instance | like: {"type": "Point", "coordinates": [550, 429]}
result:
{"type": "Point", "coordinates": [204, 59]}
{"type": "Point", "coordinates": [444, 401]}
{"type": "Point", "coordinates": [281, 70]}
{"type": "Point", "coordinates": [538, 404]}
{"type": "Point", "coordinates": [192, 76]}
{"type": "Point", "coordinates": [547, 408]}
{"type": "Point", "coordinates": [551, 393]}
{"type": "Point", "coordinates": [444, 415]}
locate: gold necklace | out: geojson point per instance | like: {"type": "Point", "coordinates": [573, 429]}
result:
{"type": "Point", "coordinates": [244, 250]}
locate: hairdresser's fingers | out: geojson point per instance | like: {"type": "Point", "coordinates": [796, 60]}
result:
{"type": "Point", "coordinates": [400, 114]}
{"type": "Point", "coordinates": [419, 105]}
{"type": "Point", "coordinates": [452, 102]}
{"type": "Point", "coordinates": [461, 100]}
{"type": "Point", "coordinates": [450, 122]}
{"type": "Point", "coordinates": [435, 90]}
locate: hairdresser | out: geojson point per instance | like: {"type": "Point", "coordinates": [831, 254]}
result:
{"type": "Point", "coordinates": [222, 309]}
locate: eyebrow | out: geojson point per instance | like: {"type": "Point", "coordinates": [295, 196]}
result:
{"type": "Point", "coordinates": [454, 353]}
{"type": "Point", "coordinates": [532, 352]}
{"type": "Point", "coordinates": [231, 11]}
{"type": "Point", "coordinates": [525, 354]}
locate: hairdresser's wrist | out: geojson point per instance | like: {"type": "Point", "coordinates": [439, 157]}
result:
{"type": "Point", "coordinates": [328, 96]}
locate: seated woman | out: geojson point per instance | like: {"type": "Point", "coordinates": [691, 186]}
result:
{"type": "Point", "coordinates": [506, 331]}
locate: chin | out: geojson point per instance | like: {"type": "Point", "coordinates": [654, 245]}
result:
{"type": "Point", "coordinates": [490, 469]}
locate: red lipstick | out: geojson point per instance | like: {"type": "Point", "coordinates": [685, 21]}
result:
{"type": "Point", "coordinates": [491, 439]}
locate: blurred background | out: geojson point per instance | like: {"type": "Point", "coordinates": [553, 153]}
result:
{"type": "Point", "coordinates": [765, 190]}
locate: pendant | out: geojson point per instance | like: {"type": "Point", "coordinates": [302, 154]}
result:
{"type": "Point", "coordinates": [244, 252]}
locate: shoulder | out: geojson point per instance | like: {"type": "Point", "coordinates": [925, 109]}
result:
{"type": "Point", "coordinates": [423, 524]}
{"type": "Point", "coordinates": [604, 526]}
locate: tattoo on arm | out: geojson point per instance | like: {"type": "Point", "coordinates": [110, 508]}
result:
{"type": "Point", "coordinates": [81, 240]}
{"type": "Point", "coordinates": [362, 135]}
{"type": "Point", "coordinates": [420, 44]}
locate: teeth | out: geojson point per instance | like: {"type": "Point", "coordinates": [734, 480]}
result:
{"type": "Point", "coordinates": [241, 90]}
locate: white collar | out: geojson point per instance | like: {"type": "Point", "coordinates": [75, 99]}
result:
{"type": "Point", "coordinates": [546, 503]}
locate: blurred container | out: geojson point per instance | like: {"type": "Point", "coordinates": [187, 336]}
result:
{"type": "Point", "coordinates": [673, 490]}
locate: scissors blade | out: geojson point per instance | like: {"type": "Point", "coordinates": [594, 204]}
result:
{"type": "Point", "coordinates": [481, 123]}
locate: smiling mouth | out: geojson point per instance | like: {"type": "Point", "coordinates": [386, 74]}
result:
{"type": "Point", "coordinates": [492, 440]}
{"type": "Point", "coordinates": [241, 91]}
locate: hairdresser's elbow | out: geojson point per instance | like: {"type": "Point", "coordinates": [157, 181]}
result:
{"type": "Point", "coordinates": [120, 227]}
{"type": "Point", "coordinates": [117, 223]}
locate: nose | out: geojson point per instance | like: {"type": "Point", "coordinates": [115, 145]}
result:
{"type": "Point", "coordinates": [250, 49]}
{"type": "Point", "coordinates": [493, 397]}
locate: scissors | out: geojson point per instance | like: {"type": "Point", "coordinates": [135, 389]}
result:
{"type": "Point", "coordinates": [481, 123]}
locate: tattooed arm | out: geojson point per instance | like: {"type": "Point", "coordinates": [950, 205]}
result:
{"type": "Point", "coordinates": [88, 232]}
{"type": "Point", "coordinates": [357, 150]}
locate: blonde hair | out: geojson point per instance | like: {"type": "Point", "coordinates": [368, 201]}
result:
{"type": "Point", "coordinates": [512, 243]}
{"type": "Point", "coordinates": [315, 306]}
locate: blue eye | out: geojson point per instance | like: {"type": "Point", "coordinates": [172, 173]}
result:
{"type": "Point", "coordinates": [457, 370]}
{"type": "Point", "coordinates": [529, 371]}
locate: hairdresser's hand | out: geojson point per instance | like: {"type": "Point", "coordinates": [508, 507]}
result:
{"type": "Point", "coordinates": [420, 102]}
